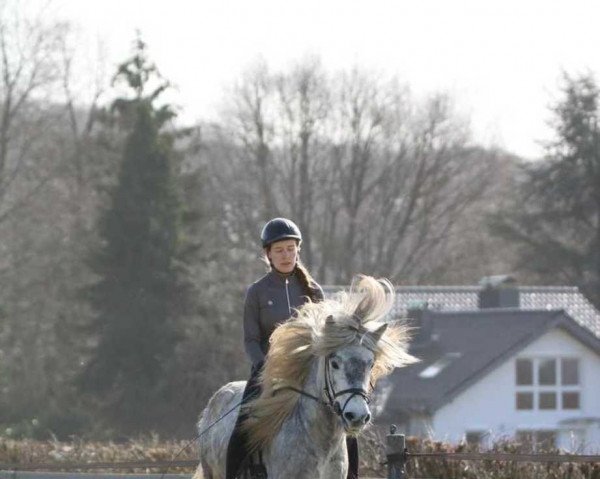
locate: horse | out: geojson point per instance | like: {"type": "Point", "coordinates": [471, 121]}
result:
{"type": "Point", "coordinates": [317, 379]}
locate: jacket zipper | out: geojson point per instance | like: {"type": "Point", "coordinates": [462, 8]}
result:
{"type": "Point", "coordinates": [287, 293]}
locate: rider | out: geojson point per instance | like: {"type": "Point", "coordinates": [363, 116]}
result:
{"type": "Point", "coordinates": [269, 302]}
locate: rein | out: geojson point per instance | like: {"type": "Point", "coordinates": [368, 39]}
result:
{"type": "Point", "coordinates": [304, 393]}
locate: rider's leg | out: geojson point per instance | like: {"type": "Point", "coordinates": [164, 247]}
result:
{"type": "Point", "coordinates": [352, 446]}
{"type": "Point", "coordinates": [236, 449]}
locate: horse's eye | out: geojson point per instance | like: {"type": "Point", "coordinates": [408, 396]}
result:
{"type": "Point", "coordinates": [335, 365]}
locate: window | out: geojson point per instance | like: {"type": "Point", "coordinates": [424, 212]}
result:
{"type": "Point", "coordinates": [525, 440]}
{"type": "Point", "coordinates": [475, 438]}
{"type": "Point", "coordinates": [570, 400]}
{"type": "Point", "coordinates": [545, 440]}
{"type": "Point", "coordinates": [569, 372]}
{"type": "Point", "coordinates": [536, 441]}
{"type": "Point", "coordinates": [547, 372]}
{"type": "Point", "coordinates": [524, 372]}
{"type": "Point", "coordinates": [547, 401]}
{"type": "Point", "coordinates": [547, 384]}
{"type": "Point", "coordinates": [435, 368]}
{"type": "Point", "coordinates": [524, 400]}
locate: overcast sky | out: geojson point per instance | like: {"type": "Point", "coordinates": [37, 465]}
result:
{"type": "Point", "coordinates": [500, 59]}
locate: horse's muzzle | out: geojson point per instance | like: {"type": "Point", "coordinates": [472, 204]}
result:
{"type": "Point", "coordinates": [354, 423]}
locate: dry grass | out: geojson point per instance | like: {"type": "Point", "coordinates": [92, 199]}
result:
{"type": "Point", "coordinates": [372, 462]}
{"type": "Point", "coordinates": [372, 458]}
{"type": "Point", "coordinates": [56, 452]}
{"type": "Point", "coordinates": [439, 468]}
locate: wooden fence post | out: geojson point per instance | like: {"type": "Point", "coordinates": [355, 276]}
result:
{"type": "Point", "coordinates": [396, 454]}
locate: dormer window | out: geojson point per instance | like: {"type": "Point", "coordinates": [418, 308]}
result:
{"type": "Point", "coordinates": [547, 383]}
{"type": "Point", "coordinates": [438, 366]}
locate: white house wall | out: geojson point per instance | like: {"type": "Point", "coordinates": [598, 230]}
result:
{"type": "Point", "coordinates": [489, 404]}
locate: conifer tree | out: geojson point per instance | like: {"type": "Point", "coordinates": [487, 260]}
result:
{"type": "Point", "coordinates": [555, 217]}
{"type": "Point", "coordinates": [141, 288]}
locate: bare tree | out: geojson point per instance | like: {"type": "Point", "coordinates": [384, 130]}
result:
{"type": "Point", "coordinates": [83, 82]}
{"type": "Point", "coordinates": [47, 206]}
{"type": "Point", "coordinates": [254, 117]}
{"type": "Point", "coordinates": [356, 133]}
{"type": "Point", "coordinates": [29, 72]}
{"type": "Point", "coordinates": [376, 179]}
{"type": "Point", "coordinates": [405, 177]}
{"type": "Point", "coordinates": [434, 180]}
{"type": "Point", "coordinates": [303, 105]}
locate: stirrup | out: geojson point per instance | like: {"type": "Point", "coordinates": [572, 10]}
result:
{"type": "Point", "coordinates": [255, 467]}
{"type": "Point", "coordinates": [258, 471]}
{"type": "Point", "coordinates": [253, 471]}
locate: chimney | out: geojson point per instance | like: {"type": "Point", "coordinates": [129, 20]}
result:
{"type": "Point", "coordinates": [498, 291]}
{"type": "Point", "coordinates": [418, 319]}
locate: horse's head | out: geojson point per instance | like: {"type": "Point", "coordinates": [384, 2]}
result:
{"type": "Point", "coordinates": [347, 378]}
{"type": "Point", "coordinates": [358, 346]}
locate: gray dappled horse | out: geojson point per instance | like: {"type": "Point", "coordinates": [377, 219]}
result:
{"type": "Point", "coordinates": [316, 381]}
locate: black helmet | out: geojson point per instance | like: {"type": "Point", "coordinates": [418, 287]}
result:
{"type": "Point", "coordinates": [279, 229]}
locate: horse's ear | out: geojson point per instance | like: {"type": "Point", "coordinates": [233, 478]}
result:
{"type": "Point", "coordinates": [329, 320]}
{"type": "Point", "coordinates": [376, 335]}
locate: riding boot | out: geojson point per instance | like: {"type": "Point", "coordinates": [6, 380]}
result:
{"type": "Point", "coordinates": [236, 452]}
{"type": "Point", "coordinates": [352, 448]}
{"type": "Point", "coordinates": [236, 449]}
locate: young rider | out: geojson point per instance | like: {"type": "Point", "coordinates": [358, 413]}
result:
{"type": "Point", "coordinates": [269, 302]}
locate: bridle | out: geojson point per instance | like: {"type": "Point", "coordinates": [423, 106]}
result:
{"type": "Point", "coordinates": [331, 394]}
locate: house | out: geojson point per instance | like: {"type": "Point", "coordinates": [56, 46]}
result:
{"type": "Point", "coordinates": [498, 361]}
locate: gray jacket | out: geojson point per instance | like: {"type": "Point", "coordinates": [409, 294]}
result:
{"type": "Point", "coordinates": [269, 302]}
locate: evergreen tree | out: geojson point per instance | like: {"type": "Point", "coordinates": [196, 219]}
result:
{"type": "Point", "coordinates": [141, 288]}
{"type": "Point", "coordinates": [555, 218]}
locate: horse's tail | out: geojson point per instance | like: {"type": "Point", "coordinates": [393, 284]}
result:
{"type": "Point", "coordinates": [199, 474]}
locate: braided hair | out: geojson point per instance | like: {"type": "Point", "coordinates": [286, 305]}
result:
{"type": "Point", "coordinates": [307, 282]}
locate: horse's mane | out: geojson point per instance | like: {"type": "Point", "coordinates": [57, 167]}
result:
{"type": "Point", "coordinates": [319, 330]}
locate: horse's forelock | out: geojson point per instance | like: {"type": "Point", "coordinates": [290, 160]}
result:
{"type": "Point", "coordinates": [369, 299]}
{"type": "Point", "coordinates": [366, 305]}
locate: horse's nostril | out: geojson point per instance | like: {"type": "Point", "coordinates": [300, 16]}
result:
{"type": "Point", "coordinates": [367, 418]}
{"type": "Point", "coordinates": [349, 416]}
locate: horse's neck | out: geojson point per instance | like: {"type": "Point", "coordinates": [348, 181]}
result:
{"type": "Point", "coordinates": [321, 423]}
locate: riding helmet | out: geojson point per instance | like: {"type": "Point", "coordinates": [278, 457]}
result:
{"type": "Point", "coordinates": [279, 229]}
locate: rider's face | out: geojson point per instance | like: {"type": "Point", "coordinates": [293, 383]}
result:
{"type": "Point", "coordinates": [283, 255]}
